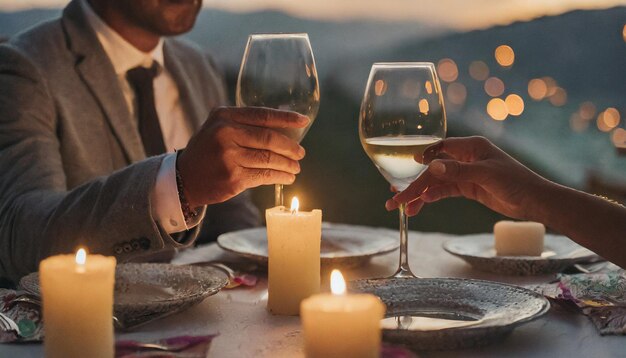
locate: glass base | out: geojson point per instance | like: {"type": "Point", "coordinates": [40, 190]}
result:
{"type": "Point", "coordinates": [404, 273]}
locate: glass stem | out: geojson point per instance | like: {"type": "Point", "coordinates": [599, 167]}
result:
{"type": "Point", "coordinates": [403, 269]}
{"type": "Point", "coordinates": [278, 195]}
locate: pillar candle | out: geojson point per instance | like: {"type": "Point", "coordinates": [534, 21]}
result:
{"type": "Point", "coordinates": [340, 324]}
{"type": "Point", "coordinates": [518, 238]}
{"type": "Point", "coordinates": [293, 239]}
{"type": "Point", "coordinates": [77, 295]}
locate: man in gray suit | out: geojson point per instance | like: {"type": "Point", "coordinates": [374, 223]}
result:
{"type": "Point", "coordinates": [92, 106]}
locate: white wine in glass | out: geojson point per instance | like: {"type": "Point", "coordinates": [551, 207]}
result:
{"type": "Point", "coordinates": [402, 115]}
{"type": "Point", "coordinates": [278, 71]}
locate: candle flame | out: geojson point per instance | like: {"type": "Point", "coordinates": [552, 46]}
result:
{"type": "Point", "coordinates": [295, 204]}
{"type": "Point", "coordinates": [81, 256]}
{"type": "Point", "coordinates": [337, 283]}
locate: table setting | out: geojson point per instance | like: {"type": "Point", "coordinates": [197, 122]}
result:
{"type": "Point", "coordinates": [302, 286]}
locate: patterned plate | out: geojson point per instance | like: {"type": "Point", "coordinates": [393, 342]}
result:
{"type": "Point", "coordinates": [149, 289]}
{"type": "Point", "coordinates": [342, 245]}
{"type": "Point", "coordinates": [559, 253]}
{"type": "Point", "coordinates": [451, 313]}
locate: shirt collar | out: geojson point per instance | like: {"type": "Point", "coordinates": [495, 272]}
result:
{"type": "Point", "coordinates": [122, 54]}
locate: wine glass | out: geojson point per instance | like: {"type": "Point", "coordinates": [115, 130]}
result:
{"type": "Point", "coordinates": [402, 115]}
{"type": "Point", "coordinates": [278, 71]}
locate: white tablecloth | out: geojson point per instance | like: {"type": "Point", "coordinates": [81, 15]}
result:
{"type": "Point", "coordinates": [246, 329]}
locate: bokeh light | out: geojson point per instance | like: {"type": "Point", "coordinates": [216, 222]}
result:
{"type": "Point", "coordinates": [496, 108]}
{"type": "Point", "coordinates": [380, 87]}
{"type": "Point", "coordinates": [551, 85]}
{"type": "Point", "coordinates": [537, 89]}
{"type": "Point", "coordinates": [423, 106]}
{"type": "Point", "coordinates": [456, 93]}
{"type": "Point", "coordinates": [429, 87]}
{"type": "Point", "coordinates": [494, 86]}
{"type": "Point", "coordinates": [447, 69]}
{"type": "Point", "coordinates": [514, 104]}
{"type": "Point", "coordinates": [577, 123]}
{"type": "Point", "coordinates": [624, 33]}
{"type": "Point", "coordinates": [600, 123]}
{"type": "Point", "coordinates": [559, 98]}
{"type": "Point", "coordinates": [608, 119]}
{"type": "Point", "coordinates": [479, 70]}
{"type": "Point", "coordinates": [611, 117]}
{"type": "Point", "coordinates": [505, 56]}
{"type": "Point", "coordinates": [618, 137]}
{"type": "Point", "coordinates": [587, 110]}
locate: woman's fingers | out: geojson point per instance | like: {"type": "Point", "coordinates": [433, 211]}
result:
{"type": "Point", "coordinates": [414, 207]}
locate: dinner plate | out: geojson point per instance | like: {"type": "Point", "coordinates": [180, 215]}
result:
{"type": "Point", "coordinates": [342, 245]}
{"type": "Point", "coordinates": [150, 289]}
{"type": "Point", "coordinates": [451, 313]}
{"type": "Point", "coordinates": [559, 252]}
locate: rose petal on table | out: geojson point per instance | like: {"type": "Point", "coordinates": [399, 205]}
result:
{"type": "Point", "coordinates": [246, 279]}
{"type": "Point", "coordinates": [389, 351]}
{"type": "Point", "coordinates": [242, 279]}
{"type": "Point", "coordinates": [600, 296]}
{"type": "Point", "coordinates": [608, 320]}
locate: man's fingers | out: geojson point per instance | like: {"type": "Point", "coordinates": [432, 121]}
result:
{"type": "Point", "coordinates": [258, 177]}
{"type": "Point", "coordinates": [265, 159]}
{"type": "Point", "coordinates": [268, 139]}
{"type": "Point", "coordinates": [263, 117]}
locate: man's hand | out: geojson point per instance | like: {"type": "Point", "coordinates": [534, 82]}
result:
{"type": "Point", "coordinates": [237, 149]}
{"type": "Point", "coordinates": [476, 169]}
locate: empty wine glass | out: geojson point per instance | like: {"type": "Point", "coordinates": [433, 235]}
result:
{"type": "Point", "coordinates": [402, 115]}
{"type": "Point", "coordinates": [278, 71]}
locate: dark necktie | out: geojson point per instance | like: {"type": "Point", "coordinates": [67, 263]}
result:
{"type": "Point", "coordinates": [141, 80]}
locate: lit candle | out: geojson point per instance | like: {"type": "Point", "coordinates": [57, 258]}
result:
{"type": "Point", "coordinates": [340, 324]}
{"type": "Point", "coordinates": [293, 240]}
{"type": "Point", "coordinates": [77, 294]}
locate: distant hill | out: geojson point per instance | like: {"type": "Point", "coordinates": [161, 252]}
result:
{"type": "Point", "coordinates": [584, 51]}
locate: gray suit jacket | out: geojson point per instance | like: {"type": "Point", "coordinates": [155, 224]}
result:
{"type": "Point", "coordinates": [72, 166]}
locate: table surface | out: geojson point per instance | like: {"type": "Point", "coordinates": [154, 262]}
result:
{"type": "Point", "coordinates": [246, 329]}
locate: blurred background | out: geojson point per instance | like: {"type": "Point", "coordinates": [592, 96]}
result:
{"type": "Point", "coordinates": [544, 80]}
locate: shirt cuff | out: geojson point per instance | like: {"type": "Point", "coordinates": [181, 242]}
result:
{"type": "Point", "coordinates": [166, 208]}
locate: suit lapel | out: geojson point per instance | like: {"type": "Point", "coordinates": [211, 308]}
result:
{"type": "Point", "coordinates": [191, 103]}
{"type": "Point", "coordinates": [96, 70]}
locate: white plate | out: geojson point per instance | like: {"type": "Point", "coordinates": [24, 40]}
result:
{"type": "Point", "coordinates": [451, 313]}
{"type": "Point", "coordinates": [559, 253]}
{"type": "Point", "coordinates": [342, 244]}
{"type": "Point", "coordinates": [149, 289]}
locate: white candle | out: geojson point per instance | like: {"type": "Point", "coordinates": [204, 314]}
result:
{"type": "Point", "coordinates": [518, 238]}
{"type": "Point", "coordinates": [77, 294]}
{"type": "Point", "coordinates": [340, 324]}
{"type": "Point", "coordinates": [293, 239]}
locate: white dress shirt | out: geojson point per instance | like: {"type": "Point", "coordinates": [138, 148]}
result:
{"type": "Point", "coordinates": [176, 128]}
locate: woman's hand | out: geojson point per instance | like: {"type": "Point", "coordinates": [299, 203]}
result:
{"type": "Point", "coordinates": [474, 168]}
